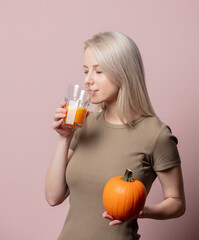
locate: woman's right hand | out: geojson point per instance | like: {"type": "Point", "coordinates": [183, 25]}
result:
{"type": "Point", "coordinates": [58, 122]}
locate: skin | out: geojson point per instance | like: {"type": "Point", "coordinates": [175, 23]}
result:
{"type": "Point", "coordinates": [103, 90]}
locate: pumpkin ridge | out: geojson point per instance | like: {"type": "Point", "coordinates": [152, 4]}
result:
{"type": "Point", "coordinates": [125, 199]}
{"type": "Point", "coordinates": [129, 201]}
{"type": "Point", "coordinates": [118, 213]}
{"type": "Point", "coordinates": [116, 198]}
{"type": "Point", "coordinates": [141, 195]}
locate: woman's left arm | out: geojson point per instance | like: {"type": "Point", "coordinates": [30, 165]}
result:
{"type": "Point", "coordinates": [173, 205]}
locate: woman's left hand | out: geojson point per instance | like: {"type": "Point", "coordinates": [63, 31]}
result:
{"type": "Point", "coordinates": [114, 221]}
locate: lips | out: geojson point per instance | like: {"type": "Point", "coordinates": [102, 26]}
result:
{"type": "Point", "coordinates": [92, 91]}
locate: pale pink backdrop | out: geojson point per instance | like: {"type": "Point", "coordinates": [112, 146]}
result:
{"type": "Point", "coordinates": [41, 49]}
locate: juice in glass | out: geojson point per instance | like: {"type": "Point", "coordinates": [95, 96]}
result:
{"type": "Point", "coordinates": [79, 116]}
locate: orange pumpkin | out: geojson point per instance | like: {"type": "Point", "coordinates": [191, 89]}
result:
{"type": "Point", "coordinates": [124, 197]}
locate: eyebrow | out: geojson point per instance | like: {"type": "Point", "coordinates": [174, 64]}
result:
{"type": "Point", "coordinates": [96, 65]}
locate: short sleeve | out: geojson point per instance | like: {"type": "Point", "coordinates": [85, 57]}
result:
{"type": "Point", "coordinates": [74, 141]}
{"type": "Point", "coordinates": [165, 153]}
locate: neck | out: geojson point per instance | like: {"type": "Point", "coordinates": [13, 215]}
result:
{"type": "Point", "coordinates": [111, 114]}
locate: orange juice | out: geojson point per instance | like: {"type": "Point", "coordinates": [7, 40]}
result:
{"type": "Point", "coordinates": [79, 117]}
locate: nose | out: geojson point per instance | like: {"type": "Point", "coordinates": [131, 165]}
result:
{"type": "Point", "coordinates": [89, 79]}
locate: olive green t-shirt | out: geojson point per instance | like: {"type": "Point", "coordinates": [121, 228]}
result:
{"type": "Point", "coordinates": [102, 151]}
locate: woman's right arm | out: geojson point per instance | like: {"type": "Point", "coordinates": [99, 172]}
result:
{"type": "Point", "coordinates": [56, 189]}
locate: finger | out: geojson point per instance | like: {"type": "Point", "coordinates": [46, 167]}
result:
{"type": "Point", "coordinates": [106, 215]}
{"type": "Point", "coordinates": [58, 116]}
{"type": "Point", "coordinates": [57, 123]}
{"type": "Point", "coordinates": [61, 110]}
{"type": "Point", "coordinates": [141, 214]}
{"type": "Point", "coordinates": [62, 104]}
{"type": "Point", "coordinates": [87, 113]}
{"type": "Point", "coordinates": [115, 222]}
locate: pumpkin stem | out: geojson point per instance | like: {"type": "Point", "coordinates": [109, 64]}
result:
{"type": "Point", "coordinates": [128, 176]}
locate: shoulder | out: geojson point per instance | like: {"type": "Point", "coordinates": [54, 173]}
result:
{"type": "Point", "coordinates": [151, 125]}
{"type": "Point", "coordinates": [155, 124]}
{"type": "Point", "coordinates": [160, 131]}
{"type": "Point", "coordinates": [163, 130]}
{"type": "Point", "coordinates": [154, 129]}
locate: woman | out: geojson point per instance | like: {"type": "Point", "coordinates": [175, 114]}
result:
{"type": "Point", "coordinates": [125, 134]}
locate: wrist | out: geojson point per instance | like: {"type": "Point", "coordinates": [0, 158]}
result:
{"type": "Point", "coordinates": [65, 139]}
{"type": "Point", "coordinates": [145, 212]}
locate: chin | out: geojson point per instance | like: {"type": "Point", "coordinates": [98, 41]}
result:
{"type": "Point", "coordinates": [96, 101]}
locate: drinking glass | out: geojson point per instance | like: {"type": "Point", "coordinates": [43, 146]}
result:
{"type": "Point", "coordinates": [77, 102]}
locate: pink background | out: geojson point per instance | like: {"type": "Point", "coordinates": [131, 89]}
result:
{"type": "Point", "coordinates": [41, 49]}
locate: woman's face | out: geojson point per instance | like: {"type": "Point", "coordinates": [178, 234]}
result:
{"type": "Point", "coordinates": [97, 83]}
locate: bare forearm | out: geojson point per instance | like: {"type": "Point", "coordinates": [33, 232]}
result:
{"type": "Point", "coordinates": [55, 185]}
{"type": "Point", "coordinates": [169, 208]}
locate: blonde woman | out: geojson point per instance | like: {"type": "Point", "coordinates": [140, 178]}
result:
{"type": "Point", "coordinates": [126, 133]}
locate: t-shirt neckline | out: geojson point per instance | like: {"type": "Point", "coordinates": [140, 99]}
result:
{"type": "Point", "coordinates": [113, 125]}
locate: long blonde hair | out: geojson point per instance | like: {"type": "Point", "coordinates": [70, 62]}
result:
{"type": "Point", "coordinates": [120, 59]}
